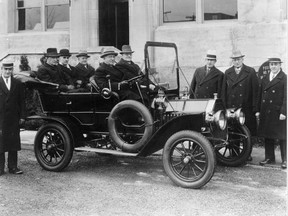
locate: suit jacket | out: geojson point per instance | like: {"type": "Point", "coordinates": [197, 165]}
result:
{"type": "Point", "coordinates": [84, 73]}
{"type": "Point", "coordinates": [273, 102]}
{"type": "Point", "coordinates": [53, 74]}
{"type": "Point", "coordinates": [12, 108]}
{"type": "Point", "coordinates": [240, 91]}
{"type": "Point", "coordinates": [204, 86]}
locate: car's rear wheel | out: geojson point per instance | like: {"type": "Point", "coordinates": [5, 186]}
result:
{"type": "Point", "coordinates": [53, 147]}
{"type": "Point", "coordinates": [238, 148]}
{"type": "Point", "coordinates": [130, 125]}
{"type": "Point", "coordinates": [189, 159]}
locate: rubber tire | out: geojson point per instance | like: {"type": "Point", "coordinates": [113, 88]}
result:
{"type": "Point", "coordinates": [68, 147]}
{"type": "Point", "coordinates": [243, 157]}
{"type": "Point", "coordinates": [139, 107]}
{"type": "Point", "coordinates": [209, 153]}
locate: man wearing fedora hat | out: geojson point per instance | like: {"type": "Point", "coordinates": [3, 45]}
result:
{"type": "Point", "coordinates": [273, 111]}
{"type": "Point", "coordinates": [207, 80]}
{"type": "Point", "coordinates": [131, 70]}
{"type": "Point", "coordinates": [50, 71]}
{"type": "Point", "coordinates": [84, 70]}
{"type": "Point", "coordinates": [116, 76]}
{"type": "Point", "coordinates": [67, 68]}
{"type": "Point", "coordinates": [240, 89]}
{"type": "Point", "coordinates": [12, 114]}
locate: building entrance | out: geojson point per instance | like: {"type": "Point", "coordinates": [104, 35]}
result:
{"type": "Point", "coordinates": [113, 23]}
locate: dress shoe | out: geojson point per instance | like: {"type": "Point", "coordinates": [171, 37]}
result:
{"type": "Point", "coordinates": [15, 171]}
{"type": "Point", "coordinates": [249, 158]}
{"type": "Point", "coordinates": [284, 165]}
{"type": "Point", "coordinates": [267, 161]}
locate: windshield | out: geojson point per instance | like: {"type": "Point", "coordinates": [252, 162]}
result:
{"type": "Point", "coordinates": [162, 65]}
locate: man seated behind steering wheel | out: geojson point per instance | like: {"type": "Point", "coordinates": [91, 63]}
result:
{"type": "Point", "coordinates": [107, 71]}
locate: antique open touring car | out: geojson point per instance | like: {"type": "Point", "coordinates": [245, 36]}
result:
{"type": "Point", "coordinates": [192, 133]}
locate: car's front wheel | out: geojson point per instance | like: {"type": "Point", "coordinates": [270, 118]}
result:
{"type": "Point", "coordinates": [53, 147]}
{"type": "Point", "coordinates": [237, 149]}
{"type": "Point", "coordinates": [189, 159]}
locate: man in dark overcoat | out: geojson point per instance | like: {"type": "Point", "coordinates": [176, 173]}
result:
{"type": "Point", "coordinates": [12, 114]}
{"type": "Point", "coordinates": [64, 55]}
{"type": "Point", "coordinates": [118, 84]}
{"type": "Point", "coordinates": [50, 72]}
{"type": "Point", "coordinates": [273, 112]}
{"type": "Point", "coordinates": [131, 70]}
{"type": "Point", "coordinates": [207, 80]}
{"type": "Point", "coordinates": [84, 70]}
{"type": "Point", "coordinates": [240, 89]}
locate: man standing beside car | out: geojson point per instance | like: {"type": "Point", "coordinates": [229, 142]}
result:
{"type": "Point", "coordinates": [207, 80]}
{"type": "Point", "coordinates": [12, 114]}
{"type": "Point", "coordinates": [273, 111]}
{"type": "Point", "coordinates": [240, 88]}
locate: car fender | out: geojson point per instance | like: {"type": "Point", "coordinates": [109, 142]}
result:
{"type": "Point", "coordinates": [192, 122]}
{"type": "Point", "coordinates": [71, 127]}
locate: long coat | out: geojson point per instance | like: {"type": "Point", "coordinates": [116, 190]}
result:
{"type": "Point", "coordinates": [53, 74]}
{"type": "Point", "coordinates": [84, 73]}
{"type": "Point", "coordinates": [272, 103]}
{"type": "Point", "coordinates": [205, 85]}
{"type": "Point", "coordinates": [12, 108]}
{"type": "Point", "coordinates": [71, 72]}
{"type": "Point", "coordinates": [116, 76]}
{"type": "Point", "coordinates": [240, 91]}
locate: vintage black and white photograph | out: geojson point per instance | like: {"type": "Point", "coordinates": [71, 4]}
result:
{"type": "Point", "coordinates": [143, 107]}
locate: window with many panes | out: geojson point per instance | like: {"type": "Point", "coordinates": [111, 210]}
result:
{"type": "Point", "coordinates": [41, 15]}
{"type": "Point", "coordinates": [185, 10]}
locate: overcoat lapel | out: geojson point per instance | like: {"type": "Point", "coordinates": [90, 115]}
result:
{"type": "Point", "coordinates": [277, 79]}
{"type": "Point", "coordinates": [242, 75]}
{"type": "Point", "coordinates": [3, 86]}
{"type": "Point", "coordinates": [209, 76]}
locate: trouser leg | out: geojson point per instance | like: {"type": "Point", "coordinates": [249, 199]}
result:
{"type": "Point", "coordinates": [269, 149]}
{"type": "Point", "coordinates": [12, 159]}
{"type": "Point", "coordinates": [283, 149]}
{"type": "Point", "coordinates": [2, 161]}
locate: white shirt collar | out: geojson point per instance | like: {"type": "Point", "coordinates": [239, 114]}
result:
{"type": "Point", "coordinates": [9, 81]}
{"type": "Point", "coordinates": [273, 75]}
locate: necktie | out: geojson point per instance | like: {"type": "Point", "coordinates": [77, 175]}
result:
{"type": "Point", "coordinates": [7, 83]}
{"type": "Point", "coordinates": [207, 71]}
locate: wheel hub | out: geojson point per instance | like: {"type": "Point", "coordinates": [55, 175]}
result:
{"type": "Point", "coordinates": [187, 159]}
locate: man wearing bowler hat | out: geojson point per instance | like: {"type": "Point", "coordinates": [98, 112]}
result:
{"type": "Point", "coordinates": [12, 114]}
{"type": "Point", "coordinates": [84, 70]}
{"type": "Point", "coordinates": [273, 112]}
{"type": "Point", "coordinates": [67, 68]}
{"type": "Point", "coordinates": [207, 80]}
{"type": "Point", "coordinates": [116, 76]}
{"type": "Point", "coordinates": [50, 71]}
{"type": "Point", "coordinates": [240, 88]}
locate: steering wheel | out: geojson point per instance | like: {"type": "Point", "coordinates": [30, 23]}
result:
{"type": "Point", "coordinates": [135, 78]}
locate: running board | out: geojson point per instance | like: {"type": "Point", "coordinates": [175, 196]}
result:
{"type": "Point", "coordinates": [105, 151]}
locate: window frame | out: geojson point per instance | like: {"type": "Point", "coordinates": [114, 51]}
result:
{"type": "Point", "coordinates": [43, 16]}
{"type": "Point", "coordinates": [199, 12]}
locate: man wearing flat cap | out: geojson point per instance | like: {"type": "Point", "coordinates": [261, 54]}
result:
{"type": "Point", "coordinates": [207, 80]}
{"type": "Point", "coordinates": [118, 84]}
{"type": "Point", "coordinates": [240, 89]}
{"type": "Point", "coordinates": [50, 72]}
{"type": "Point", "coordinates": [84, 70]}
{"type": "Point", "coordinates": [12, 115]}
{"type": "Point", "coordinates": [272, 105]}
